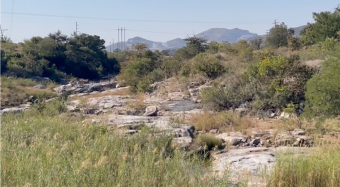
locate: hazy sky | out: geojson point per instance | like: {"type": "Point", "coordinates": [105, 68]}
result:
{"type": "Point", "coordinates": [151, 19]}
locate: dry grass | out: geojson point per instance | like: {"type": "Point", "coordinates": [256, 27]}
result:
{"type": "Point", "coordinates": [320, 168]}
{"type": "Point", "coordinates": [223, 121]}
{"type": "Point", "coordinates": [14, 91]}
{"type": "Point", "coordinates": [174, 84]}
{"type": "Point", "coordinates": [44, 150]}
{"type": "Point", "coordinates": [138, 104]}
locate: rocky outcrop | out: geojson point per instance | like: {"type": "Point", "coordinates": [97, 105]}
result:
{"type": "Point", "coordinates": [75, 88]}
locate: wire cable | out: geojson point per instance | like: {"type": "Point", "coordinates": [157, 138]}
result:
{"type": "Point", "coordinates": [116, 19]}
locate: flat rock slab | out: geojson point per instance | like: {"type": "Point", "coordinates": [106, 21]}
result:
{"type": "Point", "coordinates": [249, 160]}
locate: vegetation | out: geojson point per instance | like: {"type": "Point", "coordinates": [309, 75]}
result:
{"type": "Point", "coordinates": [320, 168]}
{"type": "Point", "coordinates": [46, 147]}
{"type": "Point", "coordinates": [58, 57]}
{"type": "Point", "coordinates": [42, 150]}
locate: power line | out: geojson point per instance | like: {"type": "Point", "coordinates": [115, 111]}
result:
{"type": "Point", "coordinates": [10, 31]}
{"type": "Point", "coordinates": [155, 31]}
{"type": "Point", "coordinates": [116, 19]}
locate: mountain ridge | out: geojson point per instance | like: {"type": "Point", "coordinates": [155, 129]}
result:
{"type": "Point", "coordinates": [212, 34]}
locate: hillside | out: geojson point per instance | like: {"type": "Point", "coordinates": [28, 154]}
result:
{"type": "Point", "coordinates": [213, 34]}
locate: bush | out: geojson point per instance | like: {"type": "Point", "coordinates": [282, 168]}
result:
{"type": "Point", "coordinates": [205, 64]}
{"type": "Point", "coordinates": [322, 92]}
{"type": "Point", "coordinates": [209, 141]}
{"type": "Point", "coordinates": [220, 98]}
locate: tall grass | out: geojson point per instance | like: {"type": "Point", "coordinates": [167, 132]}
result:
{"type": "Point", "coordinates": [321, 168]}
{"type": "Point", "coordinates": [49, 150]}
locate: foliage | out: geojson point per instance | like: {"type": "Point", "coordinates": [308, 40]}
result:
{"type": "Point", "coordinates": [3, 61]}
{"type": "Point", "coordinates": [136, 74]}
{"type": "Point", "coordinates": [206, 64]}
{"type": "Point", "coordinates": [194, 46]}
{"type": "Point", "coordinates": [278, 36]}
{"type": "Point", "coordinates": [256, 43]}
{"type": "Point", "coordinates": [57, 56]}
{"type": "Point", "coordinates": [209, 141]}
{"type": "Point", "coordinates": [171, 67]}
{"type": "Point", "coordinates": [323, 94]}
{"type": "Point", "coordinates": [278, 80]}
{"type": "Point", "coordinates": [326, 25]}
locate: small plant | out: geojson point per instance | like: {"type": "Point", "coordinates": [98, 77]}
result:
{"type": "Point", "coordinates": [209, 141]}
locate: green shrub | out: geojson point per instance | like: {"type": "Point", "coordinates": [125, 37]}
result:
{"type": "Point", "coordinates": [209, 141]}
{"type": "Point", "coordinates": [206, 64]}
{"type": "Point", "coordinates": [323, 96]}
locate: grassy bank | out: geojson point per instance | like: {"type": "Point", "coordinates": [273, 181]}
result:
{"type": "Point", "coordinates": [45, 150]}
{"type": "Point", "coordinates": [15, 91]}
{"type": "Point", "coordinates": [321, 168]}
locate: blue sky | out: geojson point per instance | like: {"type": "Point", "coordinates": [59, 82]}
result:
{"type": "Point", "coordinates": [151, 19]}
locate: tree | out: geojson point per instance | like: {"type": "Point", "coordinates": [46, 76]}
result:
{"type": "Point", "coordinates": [137, 71]}
{"type": "Point", "coordinates": [323, 90]}
{"type": "Point", "coordinates": [326, 25]}
{"type": "Point", "coordinates": [3, 61]}
{"type": "Point", "coordinates": [278, 36]}
{"type": "Point", "coordinates": [86, 58]}
{"type": "Point", "coordinates": [277, 81]}
{"type": "Point", "coordinates": [194, 46]}
{"type": "Point", "coordinates": [256, 43]}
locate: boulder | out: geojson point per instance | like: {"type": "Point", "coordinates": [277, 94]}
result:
{"type": "Point", "coordinates": [40, 86]}
{"type": "Point", "coordinates": [151, 111]}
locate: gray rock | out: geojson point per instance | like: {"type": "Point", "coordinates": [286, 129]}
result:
{"type": "Point", "coordinates": [181, 142]}
{"type": "Point", "coordinates": [40, 86]}
{"type": "Point", "coordinates": [250, 160]}
{"type": "Point", "coordinates": [14, 110]}
{"type": "Point", "coordinates": [151, 111]}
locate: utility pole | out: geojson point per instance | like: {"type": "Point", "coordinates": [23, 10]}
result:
{"type": "Point", "coordinates": [275, 23]}
{"type": "Point", "coordinates": [121, 35]}
{"type": "Point", "coordinates": [76, 28]}
{"type": "Point", "coordinates": [110, 47]}
{"type": "Point", "coordinates": [2, 32]}
{"type": "Point", "coordinates": [113, 45]}
{"type": "Point", "coordinates": [124, 38]}
{"type": "Point", "coordinates": [118, 39]}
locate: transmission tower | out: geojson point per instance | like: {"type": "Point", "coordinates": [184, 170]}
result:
{"type": "Point", "coordinates": [2, 32]}
{"type": "Point", "coordinates": [77, 28]}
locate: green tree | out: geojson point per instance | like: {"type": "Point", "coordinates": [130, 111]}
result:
{"type": "Point", "coordinates": [204, 63]}
{"type": "Point", "coordinates": [3, 61]}
{"type": "Point", "coordinates": [323, 90]}
{"type": "Point", "coordinates": [326, 25]}
{"type": "Point", "coordinates": [278, 36]}
{"type": "Point", "coordinates": [86, 58]}
{"type": "Point", "coordinates": [256, 43]}
{"type": "Point", "coordinates": [194, 46]}
{"type": "Point", "coordinates": [277, 81]}
{"type": "Point", "coordinates": [137, 71]}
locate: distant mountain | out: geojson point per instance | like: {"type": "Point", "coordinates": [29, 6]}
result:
{"type": "Point", "coordinates": [229, 35]}
{"type": "Point", "coordinates": [213, 34]}
{"type": "Point", "coordinates": [297, 30]}
{"type": "Point", "coordinates": [172, 44]}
